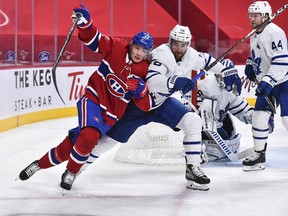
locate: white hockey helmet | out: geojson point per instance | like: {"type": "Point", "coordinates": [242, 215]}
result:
{"type": "Point", "coordinates": [180, 33]}
{"type": "Point", "coordinates": [262, 7]}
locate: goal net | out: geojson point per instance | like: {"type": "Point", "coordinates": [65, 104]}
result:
{"type": "Point", "coordinates": [155, 143]}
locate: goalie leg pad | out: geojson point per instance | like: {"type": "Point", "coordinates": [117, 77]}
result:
{"type": "Point", "coordinates": [214, 152]}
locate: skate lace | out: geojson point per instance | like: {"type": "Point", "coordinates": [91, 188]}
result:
{"type": "Point", "coordinates": [32, 169]}
{"type": "Point", "coordinates": [69, 178]}
{"type": "Point", "coordinates": [197, 171]}
{"type": "Point", "coordinates": [254, 156]}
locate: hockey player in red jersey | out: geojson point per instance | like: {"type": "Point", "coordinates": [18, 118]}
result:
{"type": "Point", "coordinates": [118, 80]}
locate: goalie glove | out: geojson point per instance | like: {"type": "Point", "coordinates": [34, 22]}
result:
{"type": "Point", "coordinates": [84, 16]}
{"type": "Point", "coordinates": [265, 86]}
{"type": "Point", "coordinates": [136, 86]}
{"type": "Point", "coordinates": [177, 83]}
{"type": "Point", "coordinates": [231, 79]}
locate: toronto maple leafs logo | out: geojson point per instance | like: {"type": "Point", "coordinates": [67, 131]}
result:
{"type": "Point", "coordinates": [256, 63]}
{"type": "Point", "coordinates": [222, 112]}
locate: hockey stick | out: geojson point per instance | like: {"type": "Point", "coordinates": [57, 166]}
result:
{"type": "Point", "coordinates": [202, 73]}
{"type": "Point", "coordinates": [273, 16]}
{"type": "Point", "coordinates": [277, 13]}
{"type": "Point", "coordinates": [61, 54]}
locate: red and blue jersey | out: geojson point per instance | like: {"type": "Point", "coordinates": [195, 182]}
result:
{"type": "Point", "coordinates": [107, 85]}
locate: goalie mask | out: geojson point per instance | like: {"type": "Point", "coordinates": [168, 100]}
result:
{"type": "Point", "coordinates": [262, 7]}
{"type": "Point", "coordinates": [210, 87]}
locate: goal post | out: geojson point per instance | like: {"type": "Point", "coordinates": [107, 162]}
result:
{"type": "Point", "coordinates": [194, 92]}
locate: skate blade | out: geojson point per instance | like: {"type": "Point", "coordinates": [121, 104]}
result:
{"type": "Point", "coordinates": [256, 167]}
{"type": "Point", "coordinates": [64, 192]}
{"type": "Point", "coordinates": [195, 186]}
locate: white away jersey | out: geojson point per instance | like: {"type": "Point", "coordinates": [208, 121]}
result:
{"type": "Point", "coordinates": [210, 88]}
{"type": "Point", "coordinates": [269, 53]}
{"type": "Point", "coordinates": [163, 65]}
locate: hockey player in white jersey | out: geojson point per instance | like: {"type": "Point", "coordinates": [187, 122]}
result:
{"type": "Point", "coordinates": [178, 59]}
{"type": "Point", "coordinates": [219, 106]}
{"type": "Point", "coordinates": [268, 66]}
{"type": "Point", "coordinates": [170, 65]}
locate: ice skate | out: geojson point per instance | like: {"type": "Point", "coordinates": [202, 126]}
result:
{"type": "Point", "coordinates": [255, 162]}
{"type": "Point", "coordinates": [67, 180]}
{"type": "Point", "coordinates": [29, 170]}
{"type": "Point", "coordinates": [196, 179]}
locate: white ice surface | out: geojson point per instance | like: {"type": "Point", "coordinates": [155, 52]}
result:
{"type": "Point", "coordinates": [109, 187]}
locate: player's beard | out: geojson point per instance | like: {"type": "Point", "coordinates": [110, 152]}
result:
{"type": "Point", "coordinates": [253, 25]}
{"type": "Point", "coordinates": [178, 55]}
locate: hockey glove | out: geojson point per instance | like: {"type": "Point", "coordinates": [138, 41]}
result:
{"type": "Point", "coordinates": [84, 16]}
{"type": "Point", "coordinates": [227, 63]}
{"type": "Point", "coordinates": [136, 86]}
{"type": "Point", "coordinates": [231, 78]}
{"type": "Point", "coordinates": [265, 86]}
{"type": "Point", "coordinates": [176, 83]}
{"type": "Point", "coordinates": [249, 71]}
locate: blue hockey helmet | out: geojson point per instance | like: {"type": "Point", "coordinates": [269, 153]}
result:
{"type": "Point", "coordinates": [144, 39]}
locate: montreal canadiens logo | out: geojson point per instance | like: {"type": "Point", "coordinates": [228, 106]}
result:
{"type": "Point", "coordinates": [115, 85]}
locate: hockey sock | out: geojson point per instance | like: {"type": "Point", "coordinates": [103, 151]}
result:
{"type": "Point", "coordinates": [260, 129]}
{"type": "Point", "coordinates": [57, 154]}
{"type": "Point", "coordinates": [86, 141]}
{"type": "Point", "coordinates": [192, 150]}
{"type": "Point", "coordinates": [191, 125]}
